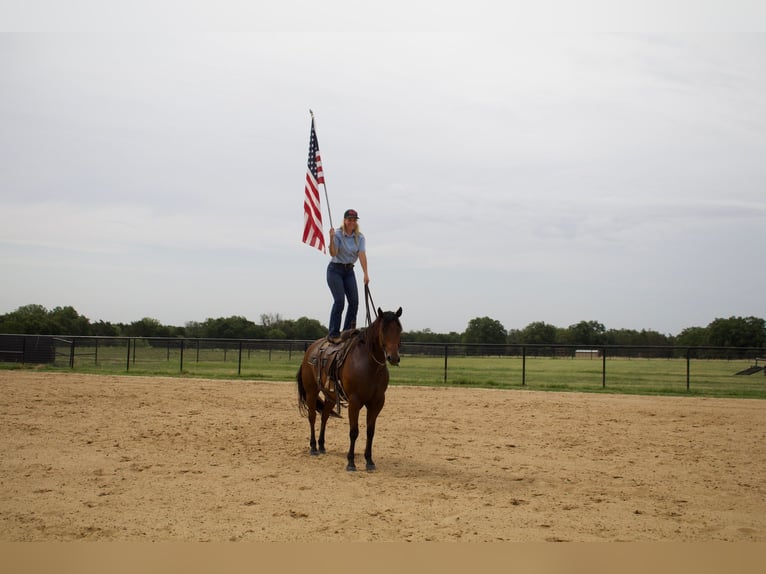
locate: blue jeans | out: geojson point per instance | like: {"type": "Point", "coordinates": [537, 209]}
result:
{"type": "Point", "coordinates": [342, 282]}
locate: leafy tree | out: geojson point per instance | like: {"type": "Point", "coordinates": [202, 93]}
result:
{"type": "Point", "coordinates": [737, 332]}
{"type": "Point", "coordinates": [305, 328]}
{"type": "Point", "coordinates": [428, 336]}
{"type": "Point", "coordinates": [587, 333]}
{"type": "Point", "coordinates": [275, 333]}
{"type": "Point", "coordinates": [539, 333]}
{"type": "Point", "coordinates": [633, 337]}
{"type": "Point", "coordinates": [147, 327]}
{"type": "Point", "coordinates": [484, 330]}
{"type": "Point", "coordinates": [693, 337]}
{"type": "Point", "coordinates": [102, 329]}
{"type": "Point", "coordinates": [234, 327]}
{"type": "Point", "coordinates": [194, 329]}
{"type": "Point", "coordinates": [514, 337]}
{"type": "Point", "coordinates": [28, 319]}
{"type": "Point", "coordinates": [67, 321]}
{"type": "Point", "coordinates": [651, 337]}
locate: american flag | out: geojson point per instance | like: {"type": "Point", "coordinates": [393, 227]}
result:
{"type": "Point", "coordinates": [312, 214]}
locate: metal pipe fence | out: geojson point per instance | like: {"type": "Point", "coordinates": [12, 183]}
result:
{"type": "Point", "coordinates": [501, 365]}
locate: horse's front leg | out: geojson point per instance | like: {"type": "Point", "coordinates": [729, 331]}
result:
{"type": "Point", "coordinates": [353, 432]}
{"type": "Point", "coordinates": [372, 416]}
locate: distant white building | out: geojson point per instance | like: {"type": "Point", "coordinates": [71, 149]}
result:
{"type": "Point", "coordinates": [587, 354]}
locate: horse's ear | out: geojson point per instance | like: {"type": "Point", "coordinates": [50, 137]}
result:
{"type": "Point", "coordinates": [380, 312]}
{"type": "Point", "coordinates": [399, 312]}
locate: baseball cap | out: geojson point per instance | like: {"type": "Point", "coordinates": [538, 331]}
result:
{"type": "Point", "coordinates": [351, 213]}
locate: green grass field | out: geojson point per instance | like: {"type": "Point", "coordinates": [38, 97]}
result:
{"type": "Point", "coordinates": [712, 378]}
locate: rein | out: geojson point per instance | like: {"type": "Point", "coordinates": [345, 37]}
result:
{"type": "Point", "coordinates": [367, 303]}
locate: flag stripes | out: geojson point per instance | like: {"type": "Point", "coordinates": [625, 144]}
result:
{"type": "Point", "coordinates": [312, 213]}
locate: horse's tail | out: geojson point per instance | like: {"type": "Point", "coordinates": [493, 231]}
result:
{"type": "Point", "coordinates": [302, 408]}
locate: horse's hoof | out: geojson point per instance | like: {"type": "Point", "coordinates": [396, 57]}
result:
{"type": "Point", "coordinates": [371, 466]}
{"type": "Point", "coordinates": [314, 453]}
{"type": "Point", "coordinates": [322, 451]}
{"type": "Point", "coordinates": [351, 468]}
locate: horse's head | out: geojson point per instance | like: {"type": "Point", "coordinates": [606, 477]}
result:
{"type": "Point", "coordinates": [390, 334]}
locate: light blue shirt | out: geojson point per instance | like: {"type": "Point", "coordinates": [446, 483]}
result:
{"type": "Point", "coordinates": [348, 250]}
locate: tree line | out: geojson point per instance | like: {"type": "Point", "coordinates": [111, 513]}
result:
{"type": "Point", "coordinates": [37, 320]}
{"type": "Point", "coordinates": [721, 332]}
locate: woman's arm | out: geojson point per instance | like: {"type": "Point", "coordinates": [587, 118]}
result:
{"type": "Point", "coordinates": [333, 248]}
{"type": "Point", "coordinates": [363, 261]}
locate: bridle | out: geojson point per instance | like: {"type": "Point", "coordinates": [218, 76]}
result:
{"type": "Point", "coordinates": [367, 303]}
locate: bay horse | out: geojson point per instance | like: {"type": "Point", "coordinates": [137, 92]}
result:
{"type": "Point", "coordinates": [359, 365]}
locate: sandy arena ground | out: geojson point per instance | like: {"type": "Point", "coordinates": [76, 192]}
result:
{"type": "Point", "coordinates": [158, 459]}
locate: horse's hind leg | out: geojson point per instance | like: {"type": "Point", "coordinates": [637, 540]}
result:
{"type": "Point", "coordinates": [326, 411]}
{"type": "Point", "coordinates": [312, 422]}
{"type": "Point", "coordinates": [308, 398]}
{"type": "Point", "coordinates": [311, 402]}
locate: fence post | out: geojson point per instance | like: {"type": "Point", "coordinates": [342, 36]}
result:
{"type": "Point", "coordinates": [446, 352]}
{"type": "Point", "coordinates": [71, 353]}
{"type": "Point", "coordinates": [182, 355]}
{"type": "Point", "coordinates": [523, 365]}
{"type": "Point", "coordinates": [127, 359]}
{"type": "Point", "coordinates": [688, 368]}
{"type": "Point", "coordinates": [239, 364]}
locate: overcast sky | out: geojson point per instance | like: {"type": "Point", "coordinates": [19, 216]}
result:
{"type": "Point", "coordinates": [525, 173]}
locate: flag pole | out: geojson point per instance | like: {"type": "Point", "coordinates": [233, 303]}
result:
{"type": "Point", "coordinates": [324, 185]}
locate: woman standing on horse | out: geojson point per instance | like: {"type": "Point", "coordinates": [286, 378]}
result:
{"type": "Point", "coordinates": [347, 244]}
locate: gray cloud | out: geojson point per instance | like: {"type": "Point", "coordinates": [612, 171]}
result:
{"type": "Point", "coordinates": [614, 177]}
